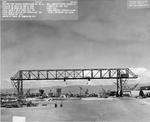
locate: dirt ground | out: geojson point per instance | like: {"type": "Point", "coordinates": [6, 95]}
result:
{"type": "Point", "coordinates": [105, 110]}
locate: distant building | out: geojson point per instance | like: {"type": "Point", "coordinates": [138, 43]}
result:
{"type": "Point", "coordinates": [58, 92]}
{"type": "Point", "coordinates": [50, 94]}
{"type": "Point", "coordinates": [145, 89]}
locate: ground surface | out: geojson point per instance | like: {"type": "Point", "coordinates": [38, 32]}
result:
{"type": "Point", "coordinates": [105, 110]}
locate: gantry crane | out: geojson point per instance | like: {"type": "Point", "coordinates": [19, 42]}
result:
{"type": "Point", "coordinates": [120, 74]}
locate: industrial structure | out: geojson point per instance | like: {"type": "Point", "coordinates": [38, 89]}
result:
{"type": "Point", "coordinates": [120, 74]}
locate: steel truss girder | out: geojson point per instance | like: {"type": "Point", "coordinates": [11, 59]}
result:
{"type": "Point", "coordinates": [65, 74]}
{"type": "Point", "coordinates": [61, 74]}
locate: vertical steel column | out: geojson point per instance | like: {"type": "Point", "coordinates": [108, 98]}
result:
{"type": "Point", "coordinates": [118, 83]}
{"type": "Point", "coordinates": [100, 73]}
{"type": "Point", "coordinates": [74, 74]}
{"type": "Point", "coordinates": [117, 93]}
{"type": "Point", "coordinates": [91, 73]}
{"type": "Point", "coordinates": [82, 73]}
{"type": "Point", "coordinates": [38, 72]}
{"type": "Point", "coordinates": [56, 74]}
{"type": "Point", "coordinates": [47, 74]}
{"type": "Point", "coordinates": [20, 84]}
{"type": "Point", "coordinates": [21, 87]}
{"type": "Point", "coordinates": [121, 90]}
{"type": "Point", "coordinates": [109, 73]}
{"type": "Point", "coordinates": [18, 87]}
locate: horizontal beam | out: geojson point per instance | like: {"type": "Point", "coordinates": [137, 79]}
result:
{"type": "Point", "coordinates": [75, 69]}
{"type": "Point", "coordinates": [64, 74]}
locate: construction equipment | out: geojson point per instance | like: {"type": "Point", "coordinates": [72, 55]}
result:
{"type": "Point", "coordinates": [104, 93]}
{"type": "Point", "coordinates": [134, 87]}
{"type": "Point", "coordinates": [85, 92]}
{"type": "Point", "coordinates": [28, 93]}
{"type": "Point", "coordinates": [127, 89]}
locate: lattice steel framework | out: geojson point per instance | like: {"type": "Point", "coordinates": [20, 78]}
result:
{"type": "Point", "coordinates": [121, 74]}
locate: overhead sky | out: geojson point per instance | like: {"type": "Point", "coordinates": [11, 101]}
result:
{"type": "Point", "coordinates": [106, 35]}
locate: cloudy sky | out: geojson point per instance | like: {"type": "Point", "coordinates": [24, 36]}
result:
{"type": "Point", "coordinates": [106, 35]}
